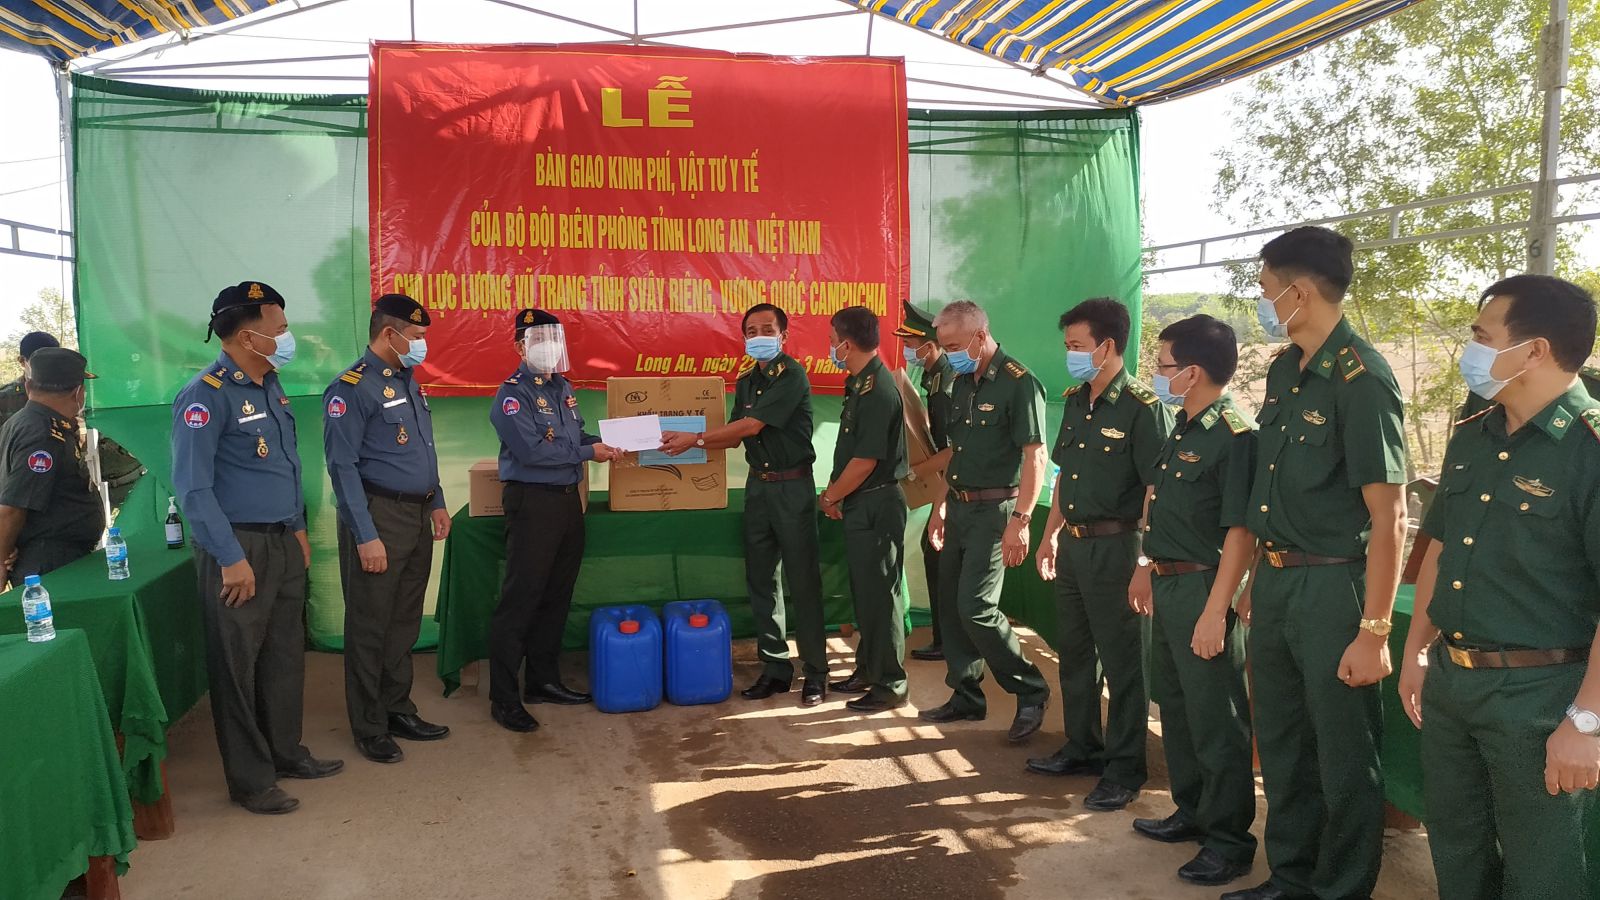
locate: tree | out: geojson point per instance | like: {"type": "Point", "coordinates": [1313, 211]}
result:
{"type": "Point", "coordinates": [1438, 100]}
{"type": "Point", "coordinates": [51, 313]}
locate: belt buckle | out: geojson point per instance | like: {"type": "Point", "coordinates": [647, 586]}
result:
{"type": "Point", "coordinates": [964, 496]}
{"type": "Point", "coordinates": [1078, 531]}
{"type": "Point", "coordinates": [1275, 558]}
{"type": "Point", "coordinates": [1459, 656]}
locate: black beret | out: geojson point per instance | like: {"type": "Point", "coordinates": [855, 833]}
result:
{"type": "Point", "coordinates": [528, 318]}
{"type": "Point", "coordinates": [245, 293]}
{"type": "Point", "coordinates": [404, 308]}
{"type": "Point", "coordinates": [57, 368]}
{"type": "Point", "coordinates": [36, 340]}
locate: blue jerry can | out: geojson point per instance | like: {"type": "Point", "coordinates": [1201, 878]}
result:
{"type": "Point", "coordinates": [625, 658]}
{"type": "Point", "coordinates": [699, 652]}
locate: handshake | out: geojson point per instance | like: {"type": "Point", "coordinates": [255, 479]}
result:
{"type": "Point", "coordinates": [607, 453]}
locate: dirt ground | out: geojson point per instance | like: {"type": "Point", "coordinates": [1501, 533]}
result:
{"type": "Point", "coordinates": [749, 800]}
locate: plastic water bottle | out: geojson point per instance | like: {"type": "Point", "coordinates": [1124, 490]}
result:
{"type": "Point", "coordinates": [116, 555]}
{"type": "Point", "coordinates": [174, 525]}
{"type": "Point", "coordinates": [36, 610]}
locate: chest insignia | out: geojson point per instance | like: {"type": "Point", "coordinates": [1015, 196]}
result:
{"type": "Point", "coordinates": [247, 407]}
{"type": "Point", "coordinates": [402, 437]}
{"type": "Point", "coordinates": [543, 404]}
{"type": "Point", "coordinates": [1116, 434]}
{"type": "Point", "coordinates": [1314, 417]}
{"type": "Point", "coordinates": [261, 447]}
{"type": "Point", "coordinates": [985, 407]}
{"type": "Point", "coordinates": [1188, 457]}
{"type": "Point", "coordinates": [388, 392]}
{"type": "Point", "coordinates": [1533, 486]}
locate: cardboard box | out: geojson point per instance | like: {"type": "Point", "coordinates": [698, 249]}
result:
{"type": "Point", "coordinates": [483, 489]}
{"type": "Point", "coordinates": [673, 485]}
{"type": "Point", "coordinates": [919, 444]}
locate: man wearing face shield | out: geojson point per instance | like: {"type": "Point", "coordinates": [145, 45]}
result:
{"type": "Point", "coordinates": [378, 439]}
{"type": "Point", "coordinates": [50, 514]}
{"type": "Point", "coordinates": [543, 448]}
{"type": "Point", "coordinates": [922, 351]}
{"type": "Point", "coordinates": [236, 471]}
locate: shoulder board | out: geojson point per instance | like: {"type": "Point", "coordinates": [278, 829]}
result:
{"type": "Point", "coordinates": [866, 384]}
{"type": "Point", "coordinates": [1072, 390]}
{"type": "Point", "coordinates": [512, 380]}
{"type": "Point", "coordinates": [214, 377]}
{"type": "Point", "coordinates": [933, 387]}
{"type": "Point", "coordinates": [1142, 394]}
{"type": "Point", "coordinates": [1236, 423]}
{"type": "Point", "coordinates": [1015, 369]}
{"type": "Point", "coordinates": [353, 375]}
{"type": "Point", "coordinates": [1477, 415]}
{"type": "Point", "coordinates": [1591, 418]}
{"type": "Point", "coordinates": [1350, 364]}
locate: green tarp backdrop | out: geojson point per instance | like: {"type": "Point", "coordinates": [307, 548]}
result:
{"type": "Point", "coordinates": [178, 193]}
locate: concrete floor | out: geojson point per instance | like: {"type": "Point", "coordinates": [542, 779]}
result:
{"type": "Point", "coordinates": [760, 800]}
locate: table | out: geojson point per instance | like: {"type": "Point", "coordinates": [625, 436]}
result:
{"type": "Point", "coordinates": [63, 799]}
{"type": "Point", "coordinates": [629, 557]}
{"type": "Point", "coordinates": [145, 634]}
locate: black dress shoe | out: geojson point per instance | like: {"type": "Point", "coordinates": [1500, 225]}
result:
{"type": "Point", "coordinates": [513, 717]}
{"type": "Point", "coordinates": [1063, 762]}
{"type": "Point", "coordinates": [556, 693]}
{"type": "Point", "coordinates": [1174, 829]}
{"type": "Point", "coordinates": [380, 748]}
{"type": "Point", "coordinates": [1027, 721]}
{"type": "Point", "coordinates": [415, 728]}
{"type": "Point", "coordinates": [270, 802]}
{"type": "Point", "coordinates": [311, 767]}
{"type": "Point", "coordinates": [1210, 868]}
{"type": "Point", "coordinates": [851, 685]}
{"type": "Point", "coordinates": [931, 652]}
{"type": "Point", "coordinates": [1266, 890]}
{"type": "Point", "coordinates": [814, 689]}
{"type": "Point", "coordinates": [1108, 796]}
{"type": "Point", "coordinates": [871, 704]}
{"type": "Point", "coordinates": [765, 687]}
{"type": "Point", "coordinates": [949, 712]}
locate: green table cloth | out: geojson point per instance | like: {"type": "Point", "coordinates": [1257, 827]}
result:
{"type": "Point", "coordinates": [62, 794]}
{"type": "Point", "coordinates": [629, 557]}
{"type": "Point", "coordinates": [145, 634]}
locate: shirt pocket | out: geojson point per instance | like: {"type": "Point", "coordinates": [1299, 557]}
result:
{"type": "Point", "coordinates": [1311, 428]}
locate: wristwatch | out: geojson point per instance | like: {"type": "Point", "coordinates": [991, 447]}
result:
{"type": "Point", "coordinates": [1585, 721]}
{"type": "Point", "coordinates": [1024, 518]}
{"type": "Point", "coordinates": [1143, 560]}
{"type": "Point", "coordinates": [1379, 627]}
{"type": "Point", "coordinates": [700, 439]}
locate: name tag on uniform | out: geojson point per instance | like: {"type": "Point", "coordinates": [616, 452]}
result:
{"type": "Point", "coordinates": [244, 419]}
{"type": "Point", "coordinates": [394, 402]}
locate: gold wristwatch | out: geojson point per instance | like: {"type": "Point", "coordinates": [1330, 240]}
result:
{"type": "Point", "coordinates": [1379, 627]}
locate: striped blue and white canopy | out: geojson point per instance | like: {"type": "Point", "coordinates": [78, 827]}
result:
{"type": "Point", "coordinates": [61, 30]}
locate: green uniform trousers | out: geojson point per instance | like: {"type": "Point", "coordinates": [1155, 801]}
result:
{"type": "Point", "coordinates": [1100, 636]}
{"type": "Point", "coordinates": [930, 573]}
{"type": "Point", "coordinates": [874, 549]}
{"type": "Point", "coordinates": [255, 660]}
{"type": "Point", "coordinates": [383, 614]}
{"type": "Point", "coordinates": [780, 526]}
{"type": "Point", "coordinates": [1318, 738]}
{"type": "Point", "coordinates": [1205, 717]}
{"type": "Point", "coordinates": [1494, 831]}
{"type": "Point", "coordinates": [971, 573]}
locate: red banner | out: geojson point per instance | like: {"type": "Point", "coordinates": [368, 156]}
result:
{"type": "Point", "coordinates": [647, 196]}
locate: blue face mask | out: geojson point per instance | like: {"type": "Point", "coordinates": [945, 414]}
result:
{"type": "Point", "coordinates": [961, 361]}
{"type": "Point", "coordinates": [912, 359]}
{"type": "Point", "coordinates": [761, 348]}
{"type": "Point", "coordinates": [416, 352]}
{"type": "Point", "coordinates": [1080, 365]}
{"type": "Point", "coordinates": [1163, 388]}
{"type": "Point", "coordinates": [1477, 367]}
{"type": "Point", "coordinates": [833, 357]}
{"type": "Point", "coordinates": [284, 354]}
{"type": "Point", "coordinates": [1267, 315]}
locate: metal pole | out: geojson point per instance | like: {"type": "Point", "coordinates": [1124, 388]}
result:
{"type": "Point", "coordinates": [69, 169]}
{"type": "Point", "coordinates": [1555, 41]}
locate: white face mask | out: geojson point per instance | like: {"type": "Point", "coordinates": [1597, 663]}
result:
{"type": "Point", "coordinates": [544, 357]}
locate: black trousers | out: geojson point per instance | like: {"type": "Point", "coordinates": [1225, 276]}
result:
{"type": "Point", "coordinates": [544, 549]}
{"type": "Point", "coordinates": [42, 556]}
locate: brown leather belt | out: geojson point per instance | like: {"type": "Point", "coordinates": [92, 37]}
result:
{"type": "Point", "coordinates": [1513, 659]}
{"type": "Point", "coordinates": [1101, 528]}
{"type": "Point", "coordinates": [1179, 568]}
{"type": "Point", "coordinates": [788, 475]}
{"type": "Point", "coordinates": [1290, 559]}
{"type": "Point", "coordinates": [984, 494]}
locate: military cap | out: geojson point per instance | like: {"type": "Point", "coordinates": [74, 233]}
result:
{"type": "Point", "coordinates": [245, 293]}
{"type": "Point", "coordinates": [36, 340]}
{"type": "Point", "coordinates": [58, 369]}
{"type": "Point", "coordinates": [403, 308]}
{"type": "Point", "coordinates": [917, 324]}
{"type": "Point", "coordinates": [528, 318]}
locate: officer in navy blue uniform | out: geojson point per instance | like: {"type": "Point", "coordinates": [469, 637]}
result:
{"type": "Point", "coordinates": [236, 471]}
{"type": "Point", "coordinates": [377, 432]}
{"type": "Point", "coordinates": [542, 451]}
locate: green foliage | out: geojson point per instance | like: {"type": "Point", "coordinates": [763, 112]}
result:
{"type": "Point", "coordinates": [50, 313]}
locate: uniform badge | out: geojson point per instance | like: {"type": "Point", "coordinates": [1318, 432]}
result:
{"type": "Point", "coordinates": [388, 393]}
{"type": "Point", "coordinates": [388, 373]}
{"type": "Point", "coordinates": [247, 408]}
{"type": "Point", "coordinates": [336, 407]}
{"type": "Point", "coordinates": [1188, 457]}
{"type": "Point", "coordinates": [41, 461]}
{"type": "Point", "coordinates": [985, 407]}
{"type": "Point", "coordinates": [195, 415]}
{"type": "Point", "coordinates": [256, 293]}
{"type": "Point", "coordinates": [550, 435]}
{"type": "Point", "coordinates": [416, 316]}
{"type": "Point", "coordinates": [541, 402]}
{"type": "Point", "coordinates": [572, 402]}
{"type": "Point", "coordinates": [238, 376]}
{"type": "Point", "coordinates": [1533, 486]}
{"type": "Point", "coordinates": [538, 379]}
{"type": "Point", "coordinates": [1115, 434]}
{"type": "Point", "coordinates": [402, 437]}
{"type": "Point", "coordinates": [261, 447]}
{"type": "Point", "coordinates": [1314, 417]}
{"type": "Point", "coordinates": [510, 406]}
{"type": "Point", "coordinates": [283, 401]}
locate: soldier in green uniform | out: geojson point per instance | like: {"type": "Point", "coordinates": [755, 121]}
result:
{"type": "Point", "coordinates": [1588, 376]}
{"type": "Point", "coordinates": [996, 470]}
{"type": "Point", "coordinates": [14, 395]}
{"type": "Point", "coordinates": [1498, 669]}
{"type": "Point", "coordinates": [1328, 503]}
{"type": "Point", "coordinates": [50, 514]}
{"type": "Point", "coordinates": [1111, 429]}
{"type": "Point", "coordinates": [869, 459]}
{"type": "Point", "coordinates": [772, 418]}
{"type": "Point", "coordinates": [922, 351]}
{"type": "Point", "coordinates": [1198, 552]}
